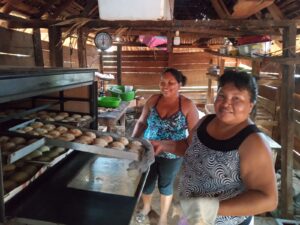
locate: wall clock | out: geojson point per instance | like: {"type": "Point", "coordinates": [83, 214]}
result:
{"type": "Point", "coordinates": [103, 40]}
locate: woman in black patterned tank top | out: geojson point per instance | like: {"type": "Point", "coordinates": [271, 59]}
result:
{"type": "Point", "coordinates": [228, 170]}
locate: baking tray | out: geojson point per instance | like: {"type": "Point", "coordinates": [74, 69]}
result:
{"type": "Point", "coordinates": [107, 175]}
{"type": "Point", "coordinates": [20, 153]}
{"type": "Point", "coordinates": [138, 161]}
{"type": "Point", "coordinates": [85, 123]}
{"type": "Point", "coordinates": [43, 168]}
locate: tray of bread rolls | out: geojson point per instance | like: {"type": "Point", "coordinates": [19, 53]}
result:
{"type": "Point", "coordinates": [74, 119]}
{"type": "Point", "coordinates": [92, 141]}
{"type": "Point", "coordinates": [16, 146]}
{"type": "Point", "coordinates": [18, 175]}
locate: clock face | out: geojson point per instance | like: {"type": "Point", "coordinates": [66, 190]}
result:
{"type": "Point", "coordinates": [103, 40]}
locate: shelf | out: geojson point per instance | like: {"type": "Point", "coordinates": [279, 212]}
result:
{"type": "Point", "coordinates": [276, 59]}
{"type": "Point", "coordinates": [20, 84]}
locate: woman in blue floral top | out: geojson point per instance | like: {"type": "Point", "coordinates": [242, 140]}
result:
{"type": "Point", "coordinates": [165, 116]}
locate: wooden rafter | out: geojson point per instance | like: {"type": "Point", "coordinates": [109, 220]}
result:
{"type": "Point", "coordinates": [275, 12]}
{"type": "Point", "coordinates": [90, 6]}
{"type": "Point", "coordinates": [246, 8]}
{"type": "Point", "coordinates": [220, 8]}
{"type": "Point", "coordinates": [61, 8]}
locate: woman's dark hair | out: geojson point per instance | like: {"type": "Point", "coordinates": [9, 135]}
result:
{"type": "Point", "coordinates": [242, 80]}
{"type": "Point", "coordinates": [176, 74]}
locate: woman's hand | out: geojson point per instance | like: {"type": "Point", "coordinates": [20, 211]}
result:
{"type": "Point", "coordinates": [158, 146]}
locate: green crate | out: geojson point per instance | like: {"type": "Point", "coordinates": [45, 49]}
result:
{"type": "Point", "coordinates": [119, 91]}
{"type": "Point", "coordinates": [109, 102]}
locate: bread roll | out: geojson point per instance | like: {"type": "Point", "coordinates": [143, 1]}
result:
{"type": "Point", "coordinates": [3, 139]}
{"type": "Point", "coordinates": [49, 127]}
{"type": "Point", "coordinates": [41, 131]}
{"type": "Point", "coordinates": [85, 139]}
{"type": "Point", "coordinates": [44, 159]}
{"type": "Point", "coordinates": [21, 131]}
{"type": "Point", "coordinates": [30, 170]}
{"type": "Point", "coordinates": [18, 140]}
{"type": "Point", "coordinates": [36, 125]}
{"type": "Point", "coordinates": [44, 117]}
{"type": "Point", "coordinates": [58, 118]}
{"type": "Point", "coordinates": [8, 146]}
{"type": "Point", "coordinates": [50, 119]}
{"type": "Point", "coordinates": [63, 114]}
{"type": "Point", "coordinates": [42, 113]}
{"type": "Point", "coordinates": [62, 129]}
{"type": "Point", "coordinates": [19, 177]}
{"type": "Point", "coordinates": [8, 168]}
{"type": "Point", "coordinates": [100, 142]}
{"type": "Point", "coordinates": [59, 149]}
{"type": "Point", "coordinates": [52, 114]}
{"type": "Point", "coordinates": [81, 141]}
{"type": "Point", "coordinates": [66, 137]}
{"type": "Point", "coordinates": [54, 133]}
{"type": "Point", "coordinates": [52, 154]}
{"type": "Point", "coordinates": [117, 145]}
{"type": "Point", "coordinates": [70, 119]}
{"type": "Point", "coordinates": [34, 154]}
{"type": "Point", "coordinates": [123, 140]}
{"type": "Point", "coordinates": [108, 138]}
{"type": "Point", "coordinates": [87, 117]}
{"type": "Point", "coordinates": [9, 185]}
{"type": "Point", "coordinates": [76, 132]}
{"type": "Point", "coordinates": [28, 128]}
{"type": "Point", "coordinates": [76, 116]}
{"type": "Point", "coordinates": [44, 148]}
{"type": "Point", "coordinates": [90, 134]}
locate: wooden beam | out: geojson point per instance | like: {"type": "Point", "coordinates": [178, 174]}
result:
{"type": "Point", "coordinates": [246, 8]}
{"type": "Point", "coordinates": [287, 121]}
{"type": "Point", "coordinates": [81, 51]}
{"type": "Point", "coordinates": [90, 6]}
{"type": "Point", "coordinates": [220, 9]}
{"type": "Point", "coordinates": [43, 10]}
{"type": "Point", "coordinates": [61, 8]}
{"type": "Point", "coordinates": [55, 47]}
{"type": "Point", "coordinates": [17, 22]}
{"type": "Point", "coordinates": [275, 12]}
{"type": "Point", "coordinates": [119, 64]}
{"type": "Point", "coordinates": [37, 46]}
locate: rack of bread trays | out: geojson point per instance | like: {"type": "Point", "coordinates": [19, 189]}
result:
{"type": "Point", "coordinates": [57, 168]}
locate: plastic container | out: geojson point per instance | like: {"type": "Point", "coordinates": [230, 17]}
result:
{"type": "Point", "coordinates": [257, 49]}
{"type": "Point", "coordinates": [135, 10]}
{"type": "Point", "coordinates": [109, 102]}
{"type": "Point", "coordinates": [119, 91]}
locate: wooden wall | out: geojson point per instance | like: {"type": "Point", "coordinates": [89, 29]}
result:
{"type": "Point", "coordinates": [16, 43]}
{"type": "Point", "coordinates": [143, 68]}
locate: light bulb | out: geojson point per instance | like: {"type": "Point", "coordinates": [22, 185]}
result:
{"type": "Point", "coordinates": [176, 40]}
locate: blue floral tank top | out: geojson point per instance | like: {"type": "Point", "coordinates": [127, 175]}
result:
{"type": "Point", "coordinates": [173, 127]}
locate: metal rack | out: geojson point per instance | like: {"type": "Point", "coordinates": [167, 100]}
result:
{"type": "Point", "coordinates": [22, 83]}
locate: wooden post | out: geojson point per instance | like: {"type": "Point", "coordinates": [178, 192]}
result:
{"type": "Point", "coordinates": [287, 118]}
{"type": "Point", "coordinates": [255, 68]}
{"type": "Point", "coordinates": [81, 48]}
{"type": "Point", "coordinates": [37, 47]}
{"type": "Point", "coordinates": [119, 64]}
{"type": "Point", "coordinates": [55, 47]}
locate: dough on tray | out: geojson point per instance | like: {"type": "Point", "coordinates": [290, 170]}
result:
{"type": "Point", "coordinates": [117, 145]}
{"type": "Point", "coordinates": [100, 142]}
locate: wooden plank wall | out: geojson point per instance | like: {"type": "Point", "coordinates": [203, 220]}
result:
{"type": "Point", "coordinates": [143, 68]}
{"type": "Point", "coordinates": [193, 65]}
{"type": "Point", "coordinates": [14, 42]}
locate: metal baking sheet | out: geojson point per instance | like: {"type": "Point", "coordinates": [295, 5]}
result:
{"type": "Point", "coordinates": [142, 162]}
{"type": "Point", "coordinates": [20, 153]}
{"type": "Point", "coordinates": [107, 175]}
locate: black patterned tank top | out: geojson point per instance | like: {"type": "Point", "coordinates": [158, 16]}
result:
{"type": "Point", "coordinates": [212, 167]}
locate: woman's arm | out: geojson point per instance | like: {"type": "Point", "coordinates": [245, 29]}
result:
{"type": "Point", "coordinates": [258, 175]}
{"type": "Point", "coordinates": [141, 124]}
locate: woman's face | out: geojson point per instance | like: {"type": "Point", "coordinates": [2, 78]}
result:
{"type": "Point", "coordinates": [232, 106]}
{"type": "Point", "coordinates": [168, 85]}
